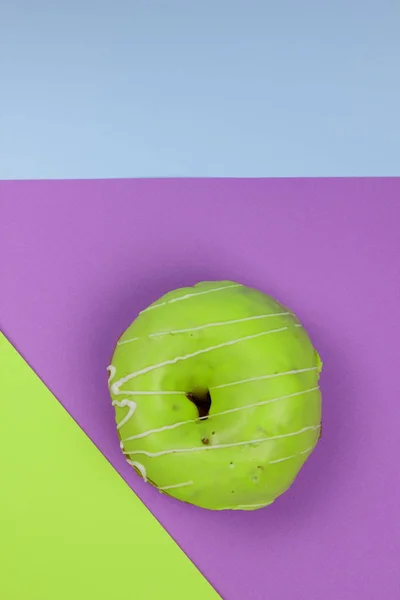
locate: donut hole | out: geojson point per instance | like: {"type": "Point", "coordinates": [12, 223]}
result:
{"type": "Point", "coordinates": [202, 401]}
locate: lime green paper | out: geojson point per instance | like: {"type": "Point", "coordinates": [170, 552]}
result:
{"type": "Point", "coordinates": [70, 527]}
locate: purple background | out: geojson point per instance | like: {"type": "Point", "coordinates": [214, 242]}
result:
{"type": "Point", "coordinates": [79, 259]}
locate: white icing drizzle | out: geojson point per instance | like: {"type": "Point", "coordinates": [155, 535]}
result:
{"type": "Point", "coordinates": [278, 460]}
{"type": "Point", "coordinates": [140, 468]}
{"type": "Point", "coordinates": [122, 403]}
{"type": "Point", "coordinates": [270, 376]}
{"type": "Point", "coordinates": [147, 393]}
{"type": "Point", "coordinates": [186, 296]}
{"type": "Point", "coordinates": [218, 446]}
{"type": "Point", "coordinates": [224, 412]}
{"type": "Point", "coordinates": [207, 325]}
{"type": "Point", "coordinates": [115, 386]}
{"type": "Point", "coordinates": [176, 485]}
{"type": "Point", "coordinates": [218, 324]}
{"type": "Point", "coordinates": [127, 341]}
{"type": "Point", "coordinates": [111, 370]}
{"type": "Point", "coordinates": [244, 506]}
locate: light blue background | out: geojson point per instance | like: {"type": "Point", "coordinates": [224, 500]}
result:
{"type": "Point", "coordinates": [119, 88]}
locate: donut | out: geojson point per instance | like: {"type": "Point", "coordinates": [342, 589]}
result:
{"type": "Point", "coordinates": [216, 396]}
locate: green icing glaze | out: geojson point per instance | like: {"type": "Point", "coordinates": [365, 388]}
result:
{"type": "Point", "coordinates": [262, 373]}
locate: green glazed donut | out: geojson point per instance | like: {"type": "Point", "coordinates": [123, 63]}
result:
{"type": "Point", "coordinates": [215, 389]}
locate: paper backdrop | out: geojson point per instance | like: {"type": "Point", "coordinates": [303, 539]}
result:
{"type": "Point", "coordinates": [80, 259]}
{"type": "Point", "coordinates": [70, 527]}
